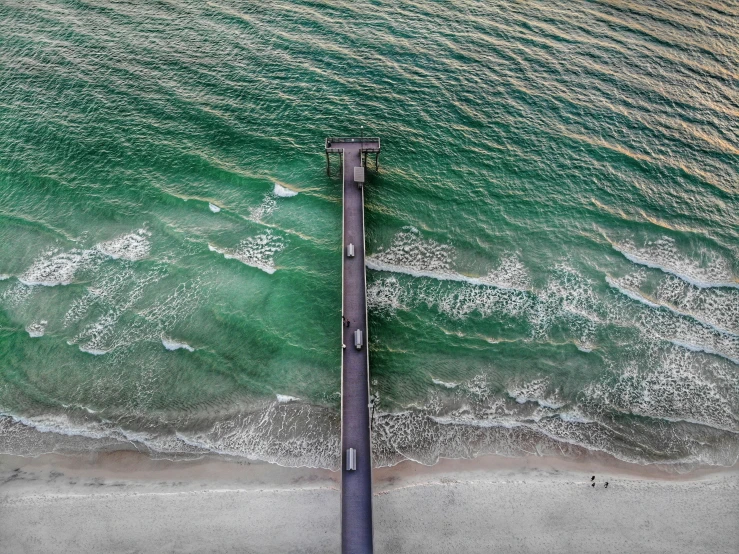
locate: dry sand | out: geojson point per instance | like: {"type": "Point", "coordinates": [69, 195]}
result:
{"type": "Point", "coordinates": [126, 502]}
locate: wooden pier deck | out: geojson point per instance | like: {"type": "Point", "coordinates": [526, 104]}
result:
{"type": "Point", "coordinates": [356, 486]}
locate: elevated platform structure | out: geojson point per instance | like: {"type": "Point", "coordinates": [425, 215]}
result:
{"type": "Point", "coordinates": [366, 146]}
{"type": "Point", "coordinates": [356, 473]}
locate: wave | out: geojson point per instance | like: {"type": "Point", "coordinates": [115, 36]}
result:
{"type": "Point", "coordinates": [268, 205]}
{"type": "Point", "coordinates": [425, 438]}
{"type": "Point", "coordinates": [662, 254]}
{"type": "Point", "coordinates": [445, 384]}
{"type": "Point", "coordinates": [169, 344]}
{"type": "Point", "coordinates": [411, 254]}
{"type": "Point", "coordinates": [258, 251]}
{"type": "Point", "coordinates": [672, 385]}
{"type": "Point", "coordinates": [636, 295]}
{"type": "Point", "coordinates": [56, 267]}
{"type": "Point", "coordinates": [703, 348]}
{"type": "Point", "coordinates": [532, 419]}
{"type": "Point", "coordinates": [283, 191]}
{"type": "Point", "coordinates": [487, 281]}
{"type": "Point", "coordinates": [377, 265]}
{"type": "Point", "coordinates": [132, 247]}
{"type": "Point", "coordinates": [631, 293]}
{"type": "Point", "coordinates": [536, 391]}
{"type": "Point", "coordinates": [37, 328]}
{"type": "Point", "coordinates": [93, 351]}
{"type": "Point", "coordinates": [282, 398]}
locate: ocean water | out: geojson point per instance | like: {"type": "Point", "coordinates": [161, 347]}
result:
{"type": "Point", "coordinates": [553, 234]}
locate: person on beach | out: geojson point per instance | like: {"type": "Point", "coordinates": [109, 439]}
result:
{"type": "Point", "coordinates": [593, 485]}
{"type": "Point", "coordinates": [606, 485]}
{"type": "Point", "coordinates": [592, 478]}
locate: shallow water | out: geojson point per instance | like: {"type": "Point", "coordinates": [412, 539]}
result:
{"type": "Point", "coordinates": [553, 234]}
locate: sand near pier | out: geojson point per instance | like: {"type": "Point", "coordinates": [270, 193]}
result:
{"type": "Point", "coordinates": [127, 502]}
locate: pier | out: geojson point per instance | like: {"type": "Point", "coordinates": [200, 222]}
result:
{"type": "Point", "coordinates": [356, 472]}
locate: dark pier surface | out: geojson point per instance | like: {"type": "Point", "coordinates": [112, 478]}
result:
{"type": "Point", "coordinates": [356, 486]}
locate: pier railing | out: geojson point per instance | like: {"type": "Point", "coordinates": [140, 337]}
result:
{"type": "Point", "coordinates": [369, 141]}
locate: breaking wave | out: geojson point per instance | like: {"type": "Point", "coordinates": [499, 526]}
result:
{"type": "Point", "coordinates": [258, 251]}
{"type": "Point", "coordinates": [132, 247]}
{"type": "Point", "coordinates": [662, 254]}
{"type": "Point", "coordinates": [171, 345]}
{"type": "Point", "coordinates": [283, 192]}
{"type": "Point", "coordinates": [57, 267]}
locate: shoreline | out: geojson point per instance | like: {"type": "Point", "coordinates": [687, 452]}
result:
{"type": "Point", "coordinates": [133, 465]}
{"type": "Point", "coordinates": [125, 501]}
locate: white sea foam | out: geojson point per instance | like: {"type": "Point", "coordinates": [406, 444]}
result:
{"type": "Point", "coordinates": [79, 407]}
{"type": "Point", "coordinates": [64, 430]}
{"type": "Point", "coordinates": [169, 344]}
{"type": "Point", "coordinates": [272, 435]}
{"type": "Point", "coordinates": [37, 328]}
{"type": "Point", "coordinates": [285, 398]}
{"type": "Point", "coordinates": [56, 268]}
{"type": "Point", "coordinates": [453, 420]}
{"type": "Point", "coordinates": [99, 337]}
{"type": "Point", "coordinates": [663, 254]}
{"type": "Point", "coordinates": [535, 391]}
{"type": "Point", "coordinates": [667, 325]}
{"type": "Point", "coordinates": [283, 192]}
{"type": "Point", "coordinates": [510, 274]}
{"type": "Point", "coordinates": [717, 307]}
{"type": "Point", "coordinates": [410, 253]}
{"type": "Point", "coordinates": [101, 311]}
{"type": "Point", "coordinates": [17, 294]}
{"type": "Point", "coordinates": [213, 208]}
{"type": "Point", "coordinates": [258, 251]}
{"type": "Point", "coordinates": [59, 268]}
{"type": "Point", "coordinates": [703, 348]}
{"type": "Point", "coordinates": [378, 265]}
{"type": "Point", "coordinates": [502, 290]}
{"type": "Point", "coordinates": [445, 384]}
{"type": "Point", "coordinates": [59, 424]}
{"type": "Point", "coordinates": [384, 295]}
{"type": "Point", "coordinates": [132, 246]}
{"type": "Point", "coordinates": [485, 301]}
{"type": "Point", "coordinates": [634, 295]}
{"type": "Point", "coordinates": [568, 298]}
{"type": "Point", "coordinates": [3, 276]}
{"type": "Point", "coordinates": [267, 206]}
{"type": "Point", "coordinates": [93, 351]}
{"type": "Point", "coordinates": [676, 385]}
{"type": "Point", "coordinates": [574, 417]}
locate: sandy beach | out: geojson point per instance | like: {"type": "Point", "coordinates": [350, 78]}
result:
{"type": "Point", "coordinates": [127, 502]}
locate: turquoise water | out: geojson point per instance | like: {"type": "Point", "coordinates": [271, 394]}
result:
{"type": "Point", "coordinates": [553, 235]}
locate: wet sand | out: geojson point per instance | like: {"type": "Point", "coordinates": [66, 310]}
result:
{"type": "Point", "coordinates": [126, 502]}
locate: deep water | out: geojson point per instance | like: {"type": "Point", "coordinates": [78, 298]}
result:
{"type": "Point", "coordinates": [553, 232]}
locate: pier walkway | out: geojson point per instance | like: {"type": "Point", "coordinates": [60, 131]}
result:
{"type": "Point", "coordinates": [356, 485]}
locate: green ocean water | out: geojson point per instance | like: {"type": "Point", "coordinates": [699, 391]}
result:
{"type": "Point", "coordinates": [553, 235]}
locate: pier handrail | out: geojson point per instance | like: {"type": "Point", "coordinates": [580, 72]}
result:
{"type": "Point", "coordinates": [368, 141]}
{"type": "Point", "coordinates": [353, 139]}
